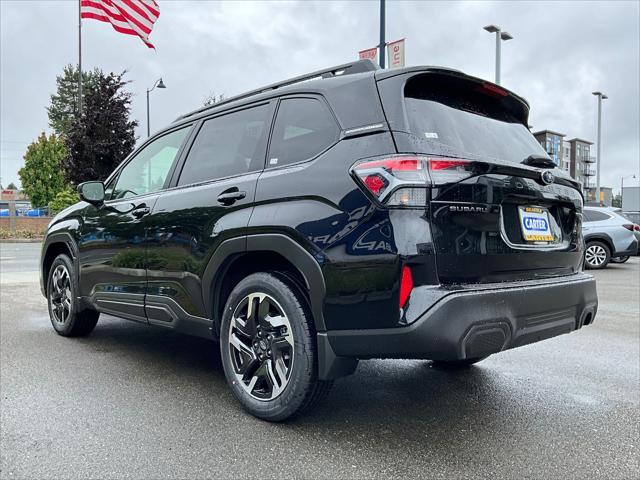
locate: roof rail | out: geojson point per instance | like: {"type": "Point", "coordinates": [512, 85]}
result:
{"type": "Point", "coordinates": [350, 68]}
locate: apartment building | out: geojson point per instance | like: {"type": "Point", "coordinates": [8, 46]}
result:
{"type": "Point", "coordinates": [573, 156]}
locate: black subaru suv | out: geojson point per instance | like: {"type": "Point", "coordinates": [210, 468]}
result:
{"type": "Point", "coordinates": [348, 214]}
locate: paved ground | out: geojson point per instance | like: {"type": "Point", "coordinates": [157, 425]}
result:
{"type": "Point", "coordinates": [132, 401]}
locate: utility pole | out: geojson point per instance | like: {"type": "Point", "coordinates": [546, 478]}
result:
{"type": "Point", "coordinates": [79, 59]}
{"type": "Point", "coordinates": [383, 43]}
{"type": "Point", "coordinates": [601, 96]}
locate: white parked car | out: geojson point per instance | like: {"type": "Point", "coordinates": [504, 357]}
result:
{"type": "Point", "coordinates": [607, 235]}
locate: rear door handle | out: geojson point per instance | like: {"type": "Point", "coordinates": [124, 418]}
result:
{"type": "Point", "coordinates": [229, 197]}
{"type": "Point", "coordinates": [140, 211]}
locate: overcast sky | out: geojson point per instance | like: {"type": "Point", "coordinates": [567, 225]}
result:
{"type": "Point", "coordinates": [562, 51]}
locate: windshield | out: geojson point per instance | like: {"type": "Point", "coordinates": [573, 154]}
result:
{"type": "Point", "coordinates": [464, 120]}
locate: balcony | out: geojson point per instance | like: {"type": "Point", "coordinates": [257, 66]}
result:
{"type": "Point", "coordinates": [588, 172]}
{"type": "Point", "coordinates": [589, 160]}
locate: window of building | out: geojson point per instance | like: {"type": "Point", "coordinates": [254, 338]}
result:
{"type": "Point", "coordinates": [227, 145]}
{"type": "Point", "coordinates": [304, 128]}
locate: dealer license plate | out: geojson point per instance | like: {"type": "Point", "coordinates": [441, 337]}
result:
{"type": "Point", "coordinates": [534, 222]}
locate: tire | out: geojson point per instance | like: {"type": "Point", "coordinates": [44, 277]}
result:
{"type": "Point", "coordinates": [596, 255]}
{"type": "Point", "coordinates": [269, 357]}
{"type": "Point", "coordinates": [456, 364]}
{"type": "Point", "coordinates": [620, 259]}
{"type": "Point", "coordinates": [62, 291]}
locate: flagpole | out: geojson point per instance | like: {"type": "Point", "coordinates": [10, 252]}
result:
{"type": "Point", "coordinates": [79, 58]}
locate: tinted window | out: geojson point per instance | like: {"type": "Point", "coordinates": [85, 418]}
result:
{"type": "Point", "coordinates": [304, 128]}
{"type": "Point", "coordinates": [148, 170]}
{"type": "Point", "coordinates": [456, 117]}
{"type": "Point", "coordinates": [595, 216]}
{"type": "Point", "coordinates": [228, 145]}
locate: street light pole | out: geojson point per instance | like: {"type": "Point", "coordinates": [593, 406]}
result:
{"type": "Point", "coordinates": [500, 36]}
{"type": "Point", "coordinates": [601, 96]}
{"type": "Point", "coordinates": [622, 187]}
{"type": "Point", "coordinates": [383, 42]}
{"type": "Point", "coordinates": [160, 84]}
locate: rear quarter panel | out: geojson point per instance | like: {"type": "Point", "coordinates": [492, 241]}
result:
{"type": "Point", "coordinates": [358, 246]}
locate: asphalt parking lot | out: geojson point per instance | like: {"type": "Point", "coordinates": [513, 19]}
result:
{"type": "Point", "coordinates": [136, 402]}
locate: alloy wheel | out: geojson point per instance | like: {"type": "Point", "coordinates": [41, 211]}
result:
{"type": "Point", "coordinates": [261, 346]}
{"type": "Point", "coordinates": [595, 255]}
{"type": "Point", "coordinates": [60, 295]}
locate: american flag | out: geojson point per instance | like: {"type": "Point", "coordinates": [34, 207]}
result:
{"type": "Point", "coordinates": [132, 17]}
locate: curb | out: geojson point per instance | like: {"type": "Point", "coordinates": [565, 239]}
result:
{"type": "Point", "coordinates": [21, 240]}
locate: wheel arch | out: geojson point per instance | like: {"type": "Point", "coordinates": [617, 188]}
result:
{"type": "Point", "coordinates": [235, 258]}
{"type": "Point", "coordinates": [601, 237]}
{"type": "Point", "coordinates": [54, 245]}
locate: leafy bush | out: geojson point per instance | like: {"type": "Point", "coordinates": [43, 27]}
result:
{"type": "Point", "coordinates": [62, 200]}
{"type": "Point", "coordinates": [29, 234]}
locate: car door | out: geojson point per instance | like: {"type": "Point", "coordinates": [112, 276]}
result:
{"type": "Point", "coordinates": [111, 249]}
{"type": "Point", "coordinates": [210, 201]}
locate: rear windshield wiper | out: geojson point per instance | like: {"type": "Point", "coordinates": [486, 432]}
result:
{"type": "Point", "coordinates": [539, 161]}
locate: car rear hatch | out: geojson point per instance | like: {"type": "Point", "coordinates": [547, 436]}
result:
{"type": "Point", "coordinates": [499, 208]}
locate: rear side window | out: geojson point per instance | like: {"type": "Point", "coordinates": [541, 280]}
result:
{"type": "Point", "coordinates": [228, 145]}
{"type": "Point", "coordinates": [304, 128]}
{"type": "Point", "coordinates": [595, 216]}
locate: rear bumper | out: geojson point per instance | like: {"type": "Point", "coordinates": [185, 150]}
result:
{"type": "Point", "coordinates": [474, 322]}
{"type": "Point", "coordinates": [631, 250]}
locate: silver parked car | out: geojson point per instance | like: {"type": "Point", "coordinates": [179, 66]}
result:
{"type": "Point", "coordinates": [606, 234]}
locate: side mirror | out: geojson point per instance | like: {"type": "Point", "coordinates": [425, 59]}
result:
{"type": "Point", "coordinates": [92, 192]}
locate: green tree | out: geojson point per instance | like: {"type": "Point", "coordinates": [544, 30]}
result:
{"type": "Point", "coordinates": [64, 103]}
{"type": "Point", "coordinates": [12, 186]}
{"type": "Point", "coordinates": [41, 177]}
{"type": "Point", "coordinates": [616, 201]}
{"type": "Point", "coordinates": [99, 140]}
{"type": "Point", "coordinates": [62, 200]}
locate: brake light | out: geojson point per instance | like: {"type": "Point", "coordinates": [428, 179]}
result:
{"type": "Point", "coordinates": [449, 170]}
{"type": "Point", "coordinates": [395, 164]}
{"type": "Point", "coordinates": [489, 87]}
{"type": "Point", "coordinates": [445, 164]}
{"type": "Point", "coordinates": [406, 285]}
{"type": "Point", "coordinates": [375, 183]}
{"type": "Point", "coordinates": [636, 228]}
{"type": "Point", "coordinates": [396, 181]}
{"type": "Point", "coordinates": [629, 226]}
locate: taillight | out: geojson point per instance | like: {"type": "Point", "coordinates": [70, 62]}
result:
{"type": "Point", "coordinates": [636, 228]}
{"type": "Point", "coordinates": [406, 285]}
{"type": "Point", "coordinates": [629, 226]}
{"type": "Point", "coordinates": [449, 170]}
{"type": "Point", "coordinates": [403, 180]}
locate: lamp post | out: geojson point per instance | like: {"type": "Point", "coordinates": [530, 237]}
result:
{"type": "Point", "coordinates": [622, 186]}
{"type": "Point", "coordinates": [601, 96]}
{"type": "Point", "coordinates": [500, 35]}
{"type": "Point", "coordinates": [383, 43]}
{"type": "Point", "coordinates": [160, 84]}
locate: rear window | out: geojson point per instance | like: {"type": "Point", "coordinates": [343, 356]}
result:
{"type": "Point", "coordinates": [463, 118]}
